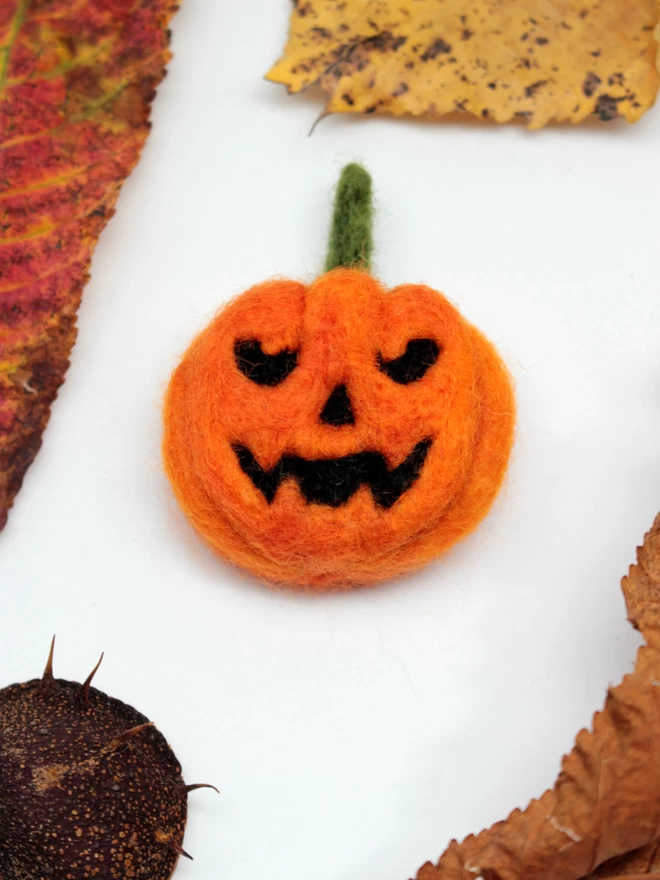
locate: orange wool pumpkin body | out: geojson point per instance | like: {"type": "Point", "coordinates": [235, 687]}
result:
{"type": "Point", "coordinates": [359, 477]}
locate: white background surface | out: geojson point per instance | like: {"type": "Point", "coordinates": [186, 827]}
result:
{"type": "Point", "coordinates": [352, 736]}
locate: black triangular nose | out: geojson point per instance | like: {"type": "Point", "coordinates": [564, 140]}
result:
{"type": "Point", "coordinates": [338, 410]}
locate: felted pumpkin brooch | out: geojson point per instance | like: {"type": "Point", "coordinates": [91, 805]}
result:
{"type": "Point", "coordinates": [334, 434]}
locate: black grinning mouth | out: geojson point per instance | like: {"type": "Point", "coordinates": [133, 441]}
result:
{"type": "Point", "coordinates": [333, 481]}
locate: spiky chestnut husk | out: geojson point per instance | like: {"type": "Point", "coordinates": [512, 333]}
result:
{"type": "Point", "coordinates": [88, 786]}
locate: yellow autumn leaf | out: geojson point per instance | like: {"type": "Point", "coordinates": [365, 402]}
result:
{"type": "Point", "coordinates": [496, 59]}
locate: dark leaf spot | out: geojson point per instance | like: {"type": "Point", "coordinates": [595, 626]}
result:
{"type": "Point", "coordinates": [590, 84]}
{"type": "Point", "coordinates": [607, 108]}
{"type": "Point", "coordinates": [437, 47]}
{"type": "Point", "coordinates": [530, 91]}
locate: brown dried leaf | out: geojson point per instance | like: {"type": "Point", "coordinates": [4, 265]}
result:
{"type": "Point", "coordinates": [496, 59]}
{"type": "Point", "coordinates": [637, 863]}
{"type": "Point", "coordinates": [602, 818]}
{"type": "Point", "coordinates": [641, 588]}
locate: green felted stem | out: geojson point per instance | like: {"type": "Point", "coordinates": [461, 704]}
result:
{"type": "Point", "coordinates": [351, 243]}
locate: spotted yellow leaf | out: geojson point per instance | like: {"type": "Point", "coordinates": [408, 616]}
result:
{"type": "Point", "coordinates": [539, 60]}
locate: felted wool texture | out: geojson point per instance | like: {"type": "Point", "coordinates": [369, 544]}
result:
{"type": "Point", "coordinates": [341, 326]}
{"type": "Point", "coordinates": [351, 240]}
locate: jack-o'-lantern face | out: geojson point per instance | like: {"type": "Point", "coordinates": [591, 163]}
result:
{"type": "Point", "coordinates": [337, 433]}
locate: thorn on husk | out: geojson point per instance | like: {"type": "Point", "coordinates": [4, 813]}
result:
{"type": "Point", "coordinates": [166, 839]}
{"type": "Point", "coordinates": [123, 738]}
{"type": "Point", "coordinates": [48, 671]}
{"type": "Point", "coordinates": [83, 696]}
{"type": "Point", "coordinates": [189, 788]}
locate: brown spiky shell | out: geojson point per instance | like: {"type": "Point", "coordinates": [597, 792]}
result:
{"type": "Point", "coordinates": [88, 787]}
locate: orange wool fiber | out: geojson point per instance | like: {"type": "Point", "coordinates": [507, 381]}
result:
{"type": "Point", "coordinates": [307, 442]}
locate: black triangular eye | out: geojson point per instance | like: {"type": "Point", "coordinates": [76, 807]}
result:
{"type": "Point", "coordinates": [420, 354]}
{"type": "Point", "coordinates": [262, 368]}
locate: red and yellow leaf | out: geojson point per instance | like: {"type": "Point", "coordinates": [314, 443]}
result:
{"type": "Point", "coordinates": [77, 78]}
